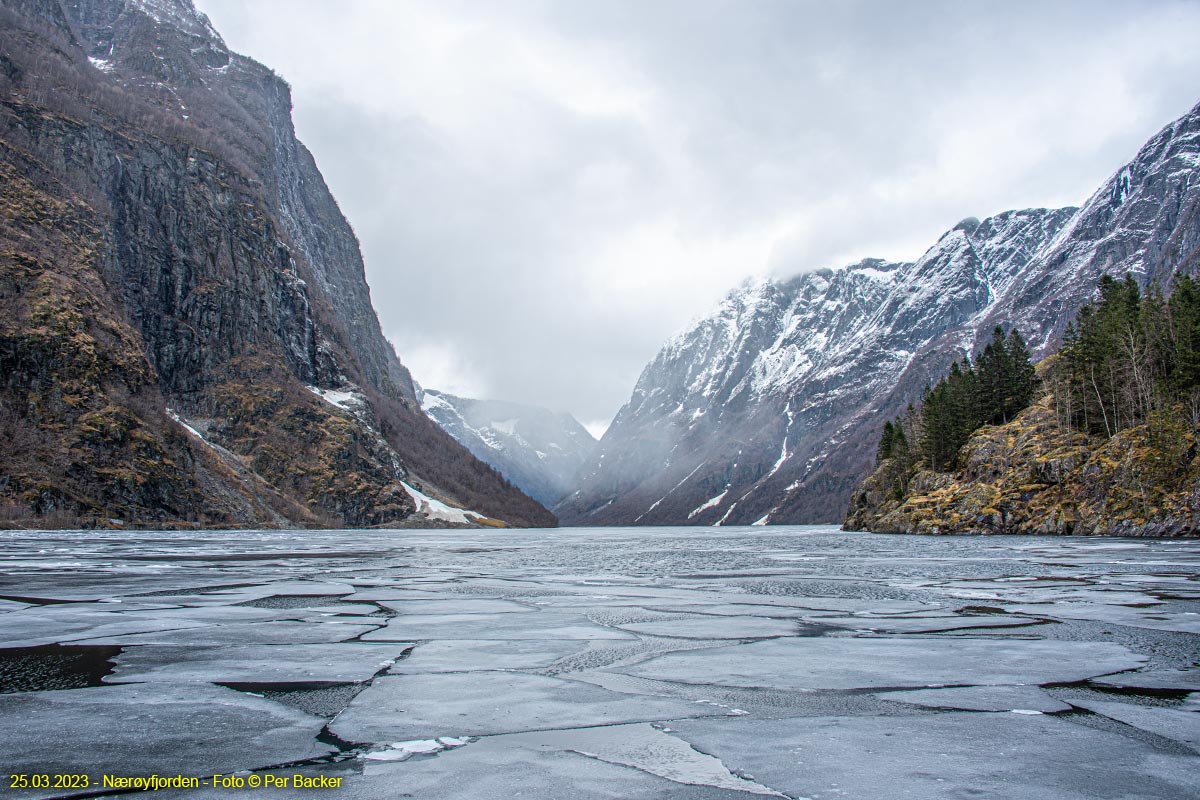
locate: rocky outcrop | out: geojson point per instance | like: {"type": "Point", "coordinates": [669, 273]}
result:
{"type": "Point", "coordinates": [186, 334]}
{"type": "Point", "coordinates": [1033, 477]}
{"type": "Point", "coordinates": [769, 410]}
{"type": "Point", "coordinates": [538, 450]}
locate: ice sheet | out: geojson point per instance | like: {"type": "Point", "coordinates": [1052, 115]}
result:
{"type": "Point", "coordinates": [294, 663]}
{"type": "Point", "coordinates": [647, 748]}
{"type": "Point", "coordinates": [487, 703]}
{"type": "Point", "coordinates": [716, 627]}
{"type": "Point", "coordinates": [191, 729]}
{"type": "Point", "coordinates": [945, 756]}
{"type": "Point", "coordinates": [1179, 725]}
{"type": "Point", "coordinates": [1167, 679]}
{"type": "Point", "coordinates": [867, 663]}
{"type": "Point", "coordinates": [516, 632]}
{"type": "Point", "coordinates": [542, 625]}
{"type": "Point", "coordinates": [982, 698]}
{"type": "Point", "coordinates": [464, 655]}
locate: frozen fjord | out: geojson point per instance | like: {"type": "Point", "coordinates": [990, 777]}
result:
{"type": "Point", "coordinates": [633, 663]}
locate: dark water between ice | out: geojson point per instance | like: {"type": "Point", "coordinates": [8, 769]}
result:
{"type": "Point", "coordinates": [610, 663]}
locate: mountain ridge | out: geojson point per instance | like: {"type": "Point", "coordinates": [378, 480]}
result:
{"type": "Point", "coordinates": [768, 409]}
{"type": "Point", "coordinates": [224, 291]}
{"type": "Point", "coordinates": [539, 450]}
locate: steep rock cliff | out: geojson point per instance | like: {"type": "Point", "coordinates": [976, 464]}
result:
{"type": "Point", "coordinates": [187, 332]}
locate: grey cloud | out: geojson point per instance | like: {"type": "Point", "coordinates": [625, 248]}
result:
{"type": "Point", "coordinates": [547, 247]}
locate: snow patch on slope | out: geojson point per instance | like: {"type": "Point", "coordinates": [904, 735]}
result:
{"type": "Point", "coordinates": [707, 504]}
{"type": "Point", "coordinates": [175, 416]}
{"type": "Point", "coordinates": [348, 399]}
{"type": "Point", "coordinates": [436, 509]}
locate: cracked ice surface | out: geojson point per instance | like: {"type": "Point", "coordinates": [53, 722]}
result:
{"type": "Point", "coordinates": [544, 625]}
{"type": "Point", "coordinates": [487, 703]}
{"type": "Point", "coordinates": [636, 663]}
{"type": "Point", "coordinates": [982, 698]}
{"type": "Point", "coordinates": [939, 756]}
{"type": "Point", "coordinates": [295, 663]}
{"type": "Point", "coordinates": [799, 664]}
{"type": "Point", "coordinates": [460, 655]}
{"type": "Point", "coordinates": [1176, 724]}
{"type": "Point", "coordinates": [648, 748]}
{"type": "Point", "coordinates": [138, 729]}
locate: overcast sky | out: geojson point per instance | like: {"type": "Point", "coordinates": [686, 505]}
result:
{"type": "Point", "coordinates": [545, 191]}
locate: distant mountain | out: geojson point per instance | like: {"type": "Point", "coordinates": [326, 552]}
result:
{"type": "Point", "coordinates": [538, 450]}
{"type": "Point", "coordinates": [186, 332]}
{"type": "Point", "coordinates": [769, 409]}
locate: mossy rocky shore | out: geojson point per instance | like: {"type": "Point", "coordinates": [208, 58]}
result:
{"type": "Point", "coordinates": [1031, 476]}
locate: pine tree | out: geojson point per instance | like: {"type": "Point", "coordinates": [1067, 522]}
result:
{"type": "Point", "coordinates": [1131, 356]}
{"type": "Point", "coordinates": [1119, 355]}
{"type": "Point", "coordinates": [886, 443]}
{"type": "Point", "coordinates": [993, 390]}
{"type": "Point", "coordinates": [1184, 369]}
{"type": "Point", "coordinates": [936, 427]}
{"type": "Point", "coordinates": [902, 455]}
{"type": "Point", "coordinates": [993, 368]}
{"type": "Point", "coordinates": [1022, 379]}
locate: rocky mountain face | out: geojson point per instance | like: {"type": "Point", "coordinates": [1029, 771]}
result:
{"type": "Point", "coordinates": [538, 450]}
{"type": "Point", "coordinates": [769, 410]}
{"type": "Point", "coordinates": [186, 332]}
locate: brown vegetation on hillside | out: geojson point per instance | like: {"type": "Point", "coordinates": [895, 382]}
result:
{"type": "Point", "coordinates": [166, 244]}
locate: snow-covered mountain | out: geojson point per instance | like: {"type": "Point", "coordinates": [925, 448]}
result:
{"type": "Point", "coordinates": [769, 409]}
{"type": "Point", "coordinates": [536, 449]}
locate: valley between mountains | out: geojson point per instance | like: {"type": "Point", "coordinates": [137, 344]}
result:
{"type": "Point", "coordinates": [768, 410]}
{"type": "Point", "coordinates": [246, 550]}
{"type": "Point", "coordinates": [187, 337]}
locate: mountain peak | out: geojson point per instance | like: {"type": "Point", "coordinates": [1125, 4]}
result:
{"type": "Point", "coordinates": [539, 450]}
{"type": "Point", "coordinates": [180, 14]}
{"type": "Point", "coordinates": [768, 411]}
